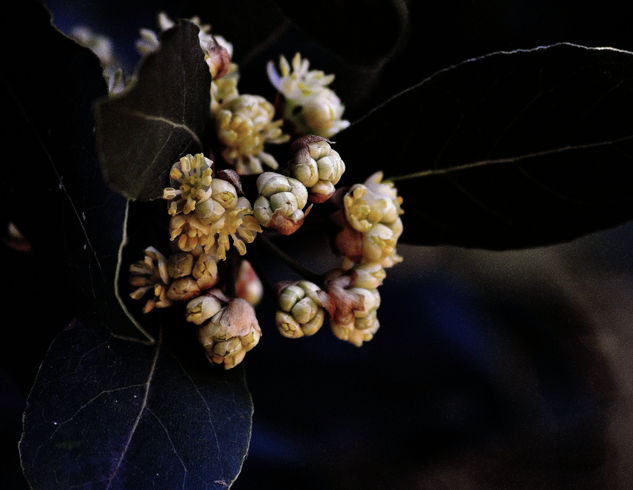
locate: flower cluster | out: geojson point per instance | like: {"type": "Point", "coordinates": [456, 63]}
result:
{"type": "Point", "coordinates": [211, 220]}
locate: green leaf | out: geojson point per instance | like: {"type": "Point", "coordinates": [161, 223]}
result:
{"type": "Point", "coordinates": [157, 119]}
{"type": "Point", "coordinates": [112, 413]}
{"type": "Point", "coordinates": [513, 149]}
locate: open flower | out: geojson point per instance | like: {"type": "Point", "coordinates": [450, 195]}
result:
{"type": "Point", "coordinates": [150, 274]}
{"type": "Point", "coordinates": [243, 127]}
{"type": "Point", "coordinates": [309, 104]}
{"type": "Point", "coordinates": [190, 180]}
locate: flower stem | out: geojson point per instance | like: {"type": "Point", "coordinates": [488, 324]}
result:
{"type": "Point", "coordinates": [290, 262]}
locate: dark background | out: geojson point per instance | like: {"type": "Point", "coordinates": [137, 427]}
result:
{"type": "Point", "coordinates": [491, 369]}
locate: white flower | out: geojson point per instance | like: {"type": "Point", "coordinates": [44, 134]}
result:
{"type": "Point", "coordinates": [310, 105]}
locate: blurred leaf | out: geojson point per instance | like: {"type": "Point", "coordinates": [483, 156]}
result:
{"type": "Point", "coordinates": [110, 413]}
{"type": "Point", "coordinates": [52, 185]}
{"type": "Point", "coordinates": [158, 118]}
{"type": "Point", "coordinates": [513, 149]}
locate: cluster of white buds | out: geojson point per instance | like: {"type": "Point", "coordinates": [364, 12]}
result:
{"type": "Point", "coordinates": [302, 308]}
{"type": "Point", "coordinates": [280, 202]}
{"type": "Point", "coordinates": [317, 166]}
{"type": "Point", "coordinates": [228, 327]}
{"type": "Point", "coordinates": [309, 104]}
{"type": "Point", "coordinates": [206, 211]}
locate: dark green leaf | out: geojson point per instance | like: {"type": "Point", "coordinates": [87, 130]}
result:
{"type": "Point", "coordinates": [52, 185]}
{"type": "Point", "coordinates": [513, 149]}
{"type": "Point", "coordinates": [110, 413]}
{"type": "Point", "coordinates": [159, 118]}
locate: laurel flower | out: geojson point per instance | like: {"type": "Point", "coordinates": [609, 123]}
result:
{"type": "Point", "coordinates": [354, 318]}
{"type": "Point", "coordinates": [190, 180]}
{"type": "Point", "coordinates": [243, 127]}
{"type": "Point", "coordinates": [301, 309]}
{"type": "Point", "coordinates": [150, 274]}
{"type": "Point", "coordinates": [317, 166]}
{"type": "Point", "coordinates": [237, 223]}
{"type": "Point", "coordinates": [371, 203]}
{"type": "Point", "coordinates": [280, 203]}
{"type": "Point", "coordinates": [188, 232]}
{"type": "Point", "coordinates": [225, 215]}
{"type": "Point", "coordinates": [229, 333]}
{"type": "Point", "coordinates": [309, 104]}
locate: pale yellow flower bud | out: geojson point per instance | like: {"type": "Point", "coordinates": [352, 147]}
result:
{"type": "Point", "coordinates": [368, 276]}
{"type": "Point", "coordinates": [280, 203]}
{"type": "Point", "coordinates": [230, 333]}
{"type": "Point", "coordinates": [179, 265]}
{"type": "Point", "coordinates": [301, 309]}
{"type": "Point", "coordinates": [317, 166]}
{"type": "Point", "coordinates": [183, 289]}
{"type": "Point", "coordinates": [364, 323]}
{"type": "Point", "coordinates": [202, 308]}
{"type": "Point", "coordinates": [205, 271]}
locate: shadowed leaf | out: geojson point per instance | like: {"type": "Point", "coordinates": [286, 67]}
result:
{"type": "Point", "coordinates": [510, 150]}
{"type": "Point", "coordinates": [52, 184]}
{"type": "Point", "coordinates": [110, 413]}
{"type": "Point", "coordinates": [158, 118]}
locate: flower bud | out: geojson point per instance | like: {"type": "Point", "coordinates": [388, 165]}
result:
{"type": "Point", "coordinates": [230, 333]}
{"type": "Point", "coordinates": [202, 308]}
{"type": "Point", "coordinates": [301, 309]}
{"type": "Point", "coordinates": [379, 245]}
{"type": "Point", "coordinates": [280, 203]}
{"type": "Point", "coordinates": [218, 59]}
{"type": "Point", "coordinates": [183, 289]}
{"type": "Point", "coordinates": [368, 276]}
{"type": "Point", "coordinates": [205, 272]}
{"type": "Point", "coordinates": [362, 326]}
{"type": "Point", "coordinates": [317, 166]}
{"type": "Point", "coordinates": [354, 317]}
{"type": "Point", "coordinates": [248, 286]}
{"type": "Point", "coordinates": [190, 180]}
{"type": "Point", "coordinates": [150, 274]}
{"type": "Point", "coordinates": [179, 265]}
